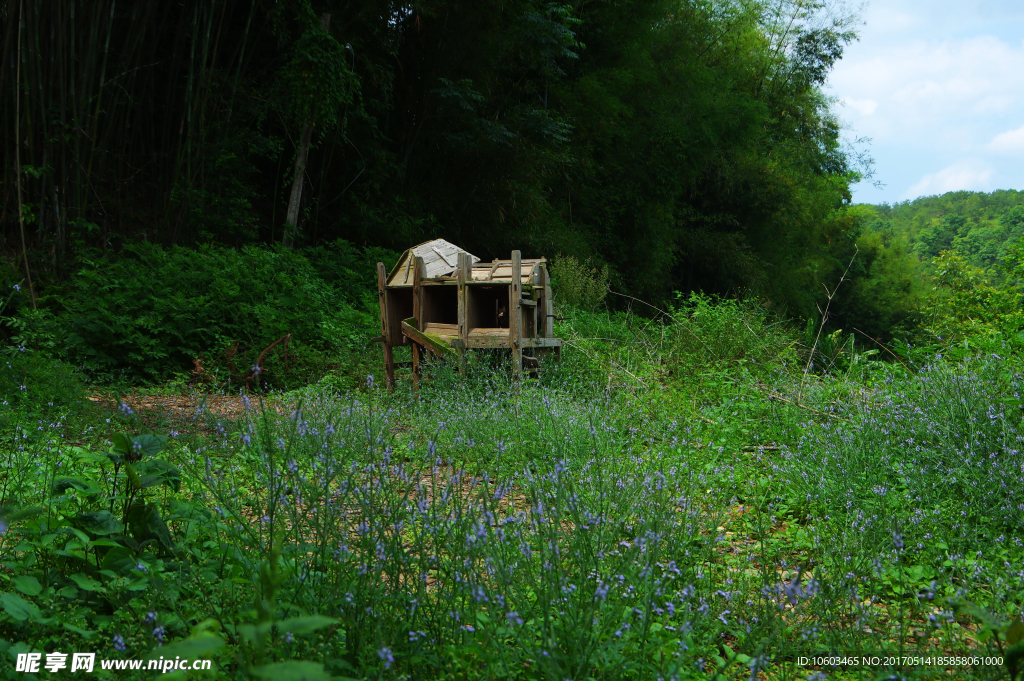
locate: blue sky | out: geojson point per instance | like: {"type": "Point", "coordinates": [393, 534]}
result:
{"type": "Point", "coordinates": [939, 88]}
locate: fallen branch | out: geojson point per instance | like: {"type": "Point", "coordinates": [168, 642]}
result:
{"type": "Point", "coordinates": [257, 368]}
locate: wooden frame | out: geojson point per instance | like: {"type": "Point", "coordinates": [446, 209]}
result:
{"type": "Point", "coordinates": [441, 300]}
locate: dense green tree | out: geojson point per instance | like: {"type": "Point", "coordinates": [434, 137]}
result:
{"type": "Point", "coordinates": [685, 143]}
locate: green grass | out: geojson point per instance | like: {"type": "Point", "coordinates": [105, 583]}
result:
{"type": "Point", "coordinates": [676, 499]}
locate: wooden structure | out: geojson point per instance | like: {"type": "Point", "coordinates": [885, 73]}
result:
{"type": "Point", "coordinates": [442, 300]}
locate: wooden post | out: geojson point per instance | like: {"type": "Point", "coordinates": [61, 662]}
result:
{"type": "Point", "coordinates": [515, 314]}
{"type": "Point", "coordinates": [463, 273]}
{"type": "Point", "coordinates": [549, 307]}
{"type": "Point", "coordinates": [417, 310]}
{"type": "Point", "coordinates": [389, 353]}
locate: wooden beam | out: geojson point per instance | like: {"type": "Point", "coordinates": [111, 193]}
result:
{"type": "Point", "coordinates": [431, 343]}
{"type": "Point", "coordinates": [515, 316]}
{"type": "Point", "coordinates": [417, 311]}
{"type": "Point", "coordinates": [463, 272]}
{"type": "Point", "coordinates": [443, 256]}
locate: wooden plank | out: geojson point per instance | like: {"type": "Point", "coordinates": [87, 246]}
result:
{"type": "Point", "coordinates": [431, 342]}
{"type": "Point", "coordinates": [515, 317]}
{"type": "Point", "coordinates": [542, 342]}
{"type": "Point", "coordinates": [489, 332]}
{"type": "Point", "coordinates": [389, 354]}
{"type": "Point", "coordinates": [491, 342]}
{"type": "Point", "coordinates": [451, 330]}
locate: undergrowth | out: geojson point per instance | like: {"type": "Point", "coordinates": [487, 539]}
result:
{"type": "Point", "coordinates": [677, 499]}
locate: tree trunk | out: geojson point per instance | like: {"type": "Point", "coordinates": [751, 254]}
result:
{"type": "Point", "coordinates": [17, 160]}
{"type": "Point", "coordinates": [291, 219]}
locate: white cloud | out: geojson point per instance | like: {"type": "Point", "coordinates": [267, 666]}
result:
{"type": "Point", "coordinates": [864, 107]}
{"type": "Point", "coordinates": [921, 86]}
{"type": "Point", "coordinates": [1009, 141]}
{"type": "Point", "coordinates": [970, 174]}
{"type": "Point", "coordinates": [947, 82]}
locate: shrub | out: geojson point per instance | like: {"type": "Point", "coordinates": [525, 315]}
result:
{"type": "Point", "coordinates": [150, 311]}
{"type": "Point", "coordinates": [34, 383]}
{"type": "Point", "coordinates": [579, 284]}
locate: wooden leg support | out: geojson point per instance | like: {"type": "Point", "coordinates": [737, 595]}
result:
{"type": "Point", "coordinates": [416, 367]}
{"type": "Point", "coordinates": [389, 366]}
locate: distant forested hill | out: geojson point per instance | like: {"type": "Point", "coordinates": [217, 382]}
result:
{"type": "Point", "coordinates": [892, 275]}
{"type": "Point", "coordinates": [978, 226]}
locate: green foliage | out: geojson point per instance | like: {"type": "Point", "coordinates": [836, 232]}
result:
{"type": "Point", "coordinates": [222, 206]}
{"type": "Point", "coordinates": [885, 289]}
{"type": "Point", "coordinates": [687, 145]}
{"type": "Point", "coordinates": [93, 536]}
{"type": "Point", "coordinates": [579, 284]}
{"type": "Point", "coordinates": [32, 383]}
{"type": "Point", "coordinates": [316, 83]}
{"type": "Point", "coordinates": [151, 311]}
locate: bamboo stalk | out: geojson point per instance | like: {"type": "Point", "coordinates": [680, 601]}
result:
{"type": "Point", "coordinates": [17, 156]}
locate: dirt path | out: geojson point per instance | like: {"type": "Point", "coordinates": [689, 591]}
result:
{"type": "Point", "coordinates": [189, 413]}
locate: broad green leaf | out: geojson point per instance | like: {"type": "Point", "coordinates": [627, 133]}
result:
{"type": "Point", "coordinates": [119, 560]}
{"type": "Point", "coordinates": [104, 542]}
{"type": "Point", "coordinates": [69, 592]}
{"type": "Point", "coordinates": [60, 485]}
{"type": "Point", "coordinates": [81, 536]}
{"type": "Point", "coordinates": [153, 472]}
{"type": "Point", "coordinates": [29, 586]}
{"type": "Point", "coordinates": [99, 523]}
{"type": "Point", "coordinates": [305, 625]}
{"type": "Point", "coordinates": [114, 457]}
{"type": "Point", "coordinates": [20, 609]}
{"type": "Point", "coordinates": [145, 523]}
{"type": "Point", "coordinates": [84, 633]}
{"type": "Point", "coordinates": [191, 648]}
{"type": "Point", "coordinates": [149, 445]}
{"type": "Point", "coordinates": [140, 584]}
{"type": "Point", "coordinates": [84, 582]}
{"type": "Point", "coordinates": [292, 671]}
{"type": "Point", "coordinates": [133, 477]}
{"type": "Point", "coordinates": [121, 443]}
